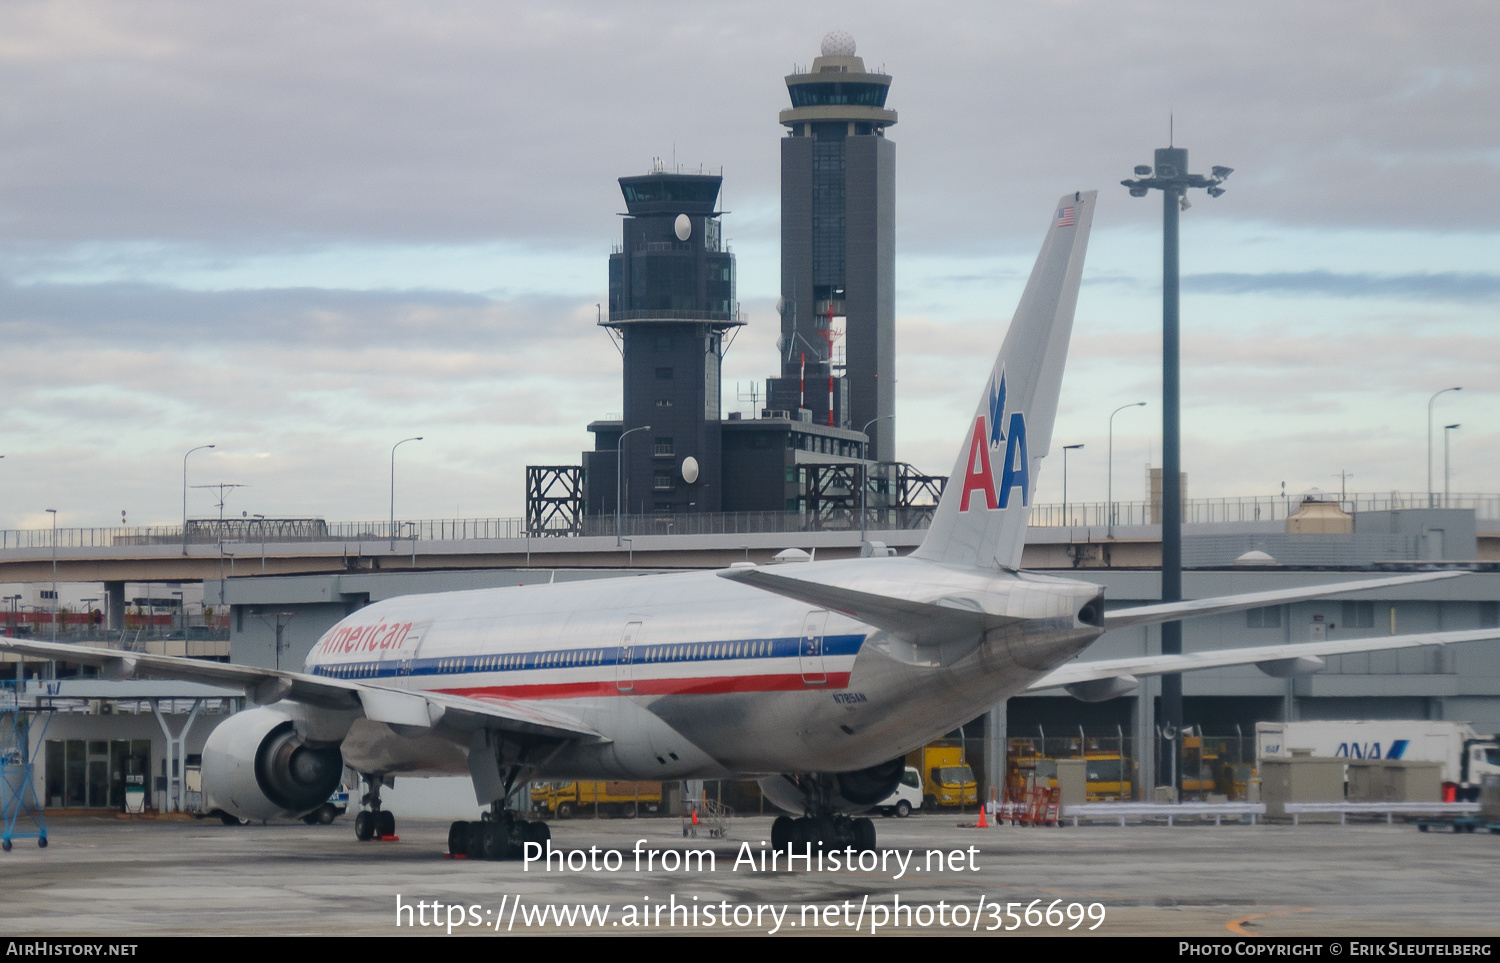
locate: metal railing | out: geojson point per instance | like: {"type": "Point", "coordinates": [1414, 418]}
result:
{"type": "Point", "coordinates": [1251, 508]}
{"type": "Point", "coordinates": [1079, 514]}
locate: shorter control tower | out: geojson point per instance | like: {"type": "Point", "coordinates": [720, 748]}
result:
{"type": "Point", "coordinates": [671, 300]}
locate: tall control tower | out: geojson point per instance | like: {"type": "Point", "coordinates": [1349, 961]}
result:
{"type": "Point", "coordinates": [838, 248]}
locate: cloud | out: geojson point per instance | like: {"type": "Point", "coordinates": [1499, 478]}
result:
{"type": "Point", "coordinates": [1439, 286]}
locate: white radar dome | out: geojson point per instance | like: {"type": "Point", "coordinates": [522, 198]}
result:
{"type": "Point", "coordinates": [683, 226]}
{"type": "Point", "coordinates": [690, 469]}
{"type": "Point", "coordinates": [838, 43]}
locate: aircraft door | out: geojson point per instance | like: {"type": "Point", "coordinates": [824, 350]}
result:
{"type": "Point", "coordinates": [810, 651]}
{"type": "Point", "coordinates": [625, 666]}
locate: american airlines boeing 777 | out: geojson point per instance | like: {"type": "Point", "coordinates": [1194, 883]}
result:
{"type": "Point", "coordinates": [815, 678]}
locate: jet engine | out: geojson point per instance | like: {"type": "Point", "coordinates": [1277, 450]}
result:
{"type": "Point", "coordinates": [834, 792]}
{"type": "Point", "coordinates": [256, 766]}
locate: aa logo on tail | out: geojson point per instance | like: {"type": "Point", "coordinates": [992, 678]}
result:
{"type": "Point", "coordinates": [989, 434]}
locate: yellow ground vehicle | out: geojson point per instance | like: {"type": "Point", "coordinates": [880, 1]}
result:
{"type": "Point", "coordinates": [1206, 768]}
{"type": "Point", "coordinates": [611, 797]}
{"type": "Point", "coordinates": [947, 779]}
{"type": "Point", "coordinates": [1105, 780]}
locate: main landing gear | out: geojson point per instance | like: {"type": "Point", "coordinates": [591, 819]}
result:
{"type": "Point", "coordinates": [497, 835]}
{"type": "Point", "coordinates": [824, 833]}
{"type": "Point", "coordinates": [373, 822]}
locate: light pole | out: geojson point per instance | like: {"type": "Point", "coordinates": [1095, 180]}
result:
{"type": "Point", "coordinates": [1430, 493]}
{"type": "Point", "coordinates": [864, 481]}
{"type": "Point", "coordinates": [1446, 430]}
{"type": "Point", "coordinates": [619, 448]}
{"type": "Point", "coordinates": [1066, 448]}
{"type": "Point", "coordinates": [184, 493]}
{"type": "Point", "coordinates": [1171, 177]}
{"type": "Point", "coordinates": [53, 513]}
{"type": "Point", "coordinates": [393, 486]}
{"type": "Point", "coordinates": [1109, 523]}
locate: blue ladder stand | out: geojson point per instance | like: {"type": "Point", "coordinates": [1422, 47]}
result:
{"type": "Point", "coordinates": [18, 798]}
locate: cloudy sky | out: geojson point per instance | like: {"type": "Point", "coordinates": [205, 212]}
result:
{"type": "Point", "coordinates": [303, 231]}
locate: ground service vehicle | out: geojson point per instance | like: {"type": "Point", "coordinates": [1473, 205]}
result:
{"type": "Point", "coordinates": [607, 797]}
{"type": "Point", "coordinates": [947, 779]}
{"type": "Point", "coordinates": [1467, 756]}
{"type": "Point", "coordinates": [906, 799]}
{"type": "Point", "coordinates": [814, 678]}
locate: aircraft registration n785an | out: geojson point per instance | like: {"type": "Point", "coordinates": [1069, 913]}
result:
{"type": "Point", "coordinates": [815, 678]}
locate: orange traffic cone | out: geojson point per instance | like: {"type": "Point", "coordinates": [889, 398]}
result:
{"type": "Point", "coordinates": [982, 823]}
{"type": "Point", "coordinates": [695, 817]}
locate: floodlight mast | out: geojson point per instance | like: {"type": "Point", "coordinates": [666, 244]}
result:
{"type": "Point", "coordinates": [1171, 177]}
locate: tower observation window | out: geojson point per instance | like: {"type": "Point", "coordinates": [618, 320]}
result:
{"type": "Point", "coordinates": [836, 94]}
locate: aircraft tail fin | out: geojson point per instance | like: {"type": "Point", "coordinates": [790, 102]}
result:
{"type": "Point", "coordinates": [981, 519]}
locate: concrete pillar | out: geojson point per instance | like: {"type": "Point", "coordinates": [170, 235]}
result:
{"type": "Point", "coordinates": [1144, 738]}
{"type": "Point", "coordinates": [994, 753]}
{"type": "Point", "coordinates": [114, 606]}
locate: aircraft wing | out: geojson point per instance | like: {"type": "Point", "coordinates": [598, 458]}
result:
{"type": "Point", "coordinates": [1107, 678]}
{"type": "Point", "coordinates": [400, 707]}
{"type": "Point", "coordinates": [1192, 608]}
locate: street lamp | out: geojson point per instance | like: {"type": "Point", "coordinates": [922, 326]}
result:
{"type": "Point", "coordinates": [1066, 449]}
{"type": "Point", "coordinates": [1171, 177]}
{"type": "Point", "coordinates": [1446, 430]}
{"type": "Point", "coordinates": [53, 513]}
{"type": "Point", "coordinates": [393, 486]}
{"type": "Point", "coordinates": [619, 446]}
{"type": "Point", "coordinates": [864, 481]}
{"type": "Point", "coordinates": [184, 493]}
{"type": "Point", "coordinates": [1109, 524]}
{"type": "Point", "coordinates": [1430, 493]}
{"type": "Point", "coordinates": [261, 521]}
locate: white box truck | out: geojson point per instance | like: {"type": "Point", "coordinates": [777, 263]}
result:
{"type": "Point", "coordinates": [1466, 755]}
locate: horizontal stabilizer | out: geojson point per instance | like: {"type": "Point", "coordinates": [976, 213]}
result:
{"type": "Point", "coordinates": [1192, 608]}
{"type": "Point", "coordinates": [921, 622]}
{"type": "Point", "coordinates": [1272, 656]}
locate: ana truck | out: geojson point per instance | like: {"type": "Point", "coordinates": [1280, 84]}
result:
{"type": "Point", "coordinates": [1467, 756]}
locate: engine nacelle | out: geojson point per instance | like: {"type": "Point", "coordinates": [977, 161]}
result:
{"type": "Point", "coordinates": [840, 792]}
{"type": "Point", "coordinates": [256, 766]}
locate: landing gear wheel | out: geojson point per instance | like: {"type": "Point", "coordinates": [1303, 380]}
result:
{"type": "Point", "coordinates": [864, 835]}
{"type": "Point", "coordinates": [458, 838]}
{"type": "Point", "coordinates": [326, 815]}
{"type": "Point", "coordinates": [783, 832]}
{"type": "Point", "coordinates": [538, 833]}
{"type": "Point", "coordinates": [474, 845]}
{"type": "Point", "coordinates": [494, 842]}
{"type": "Point", "coordinates": [385, 823]}
{"type": "Point", "coordinates": [903, 808]}
{"type": "Point", "coordinates": [823, 831]}
{"type": "Point", "coordinates": [364, 826]}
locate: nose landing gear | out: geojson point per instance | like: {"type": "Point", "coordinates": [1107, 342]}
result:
{"type": "Point", "coordinates": [372, 821]}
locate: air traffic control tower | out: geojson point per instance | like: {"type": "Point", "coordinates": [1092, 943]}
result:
{"type": "Point", "coordinates": [838, 248]}
{"type": "Point", "coordinates": [671, 300]}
